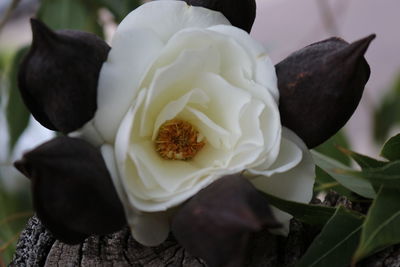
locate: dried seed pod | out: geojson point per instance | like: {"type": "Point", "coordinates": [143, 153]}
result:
{"type": "Point", "coordinates": [216, 223]}
{"type": "Point", "coordinates": [58, 77]}
{"type": "Point", "coordinates": [320, 87]}
{"type": "Point", "coordinates": [73, 194]}
{"type": "Point", "coordinates": [240, 13]}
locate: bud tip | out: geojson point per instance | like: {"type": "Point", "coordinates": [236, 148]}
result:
{"type": "Point", "coordinates": [22, 166]}
{"type": "Point", "coordinates": [40, 32]}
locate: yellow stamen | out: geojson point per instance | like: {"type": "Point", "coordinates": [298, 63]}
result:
{"type": "Point", "coordinates": [178, 140]}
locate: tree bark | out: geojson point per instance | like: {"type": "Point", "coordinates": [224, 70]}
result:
{"type": "Point", "coordinates": [37, 247]}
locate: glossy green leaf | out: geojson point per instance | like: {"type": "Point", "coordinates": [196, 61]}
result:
{"type": "Point", "coordinates": [336, 243]}
{"type": "Point", "coordinates": [344, 176]}
{"type": "Point", "coordinates": [388, 175]}
{"type": "Point", "coordinates": [307, 213]}
{"type": "Point", "coordinates": [17, 114]}
{"type": "Point", "coordinates": [381, 227]}
{"type": "Point", "coordinates": [391, 149]}
{"type": "Point", "coordinates": [324, 182]}
{"type": "Point", "coordinates": [329, 148]}
{"type": "Point", "coordinates": [120, 8]}
{"type": "Point", "coordinates": [363, 161]}
{"type": "Point", "coordinates": [70, 14]}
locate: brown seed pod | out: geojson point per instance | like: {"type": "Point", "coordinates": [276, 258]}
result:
{"type": "Point", "coordinates": [320, 87]}
{"type": "Point", "coordinates": [58, 77]}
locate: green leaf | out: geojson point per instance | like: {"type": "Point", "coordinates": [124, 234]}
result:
{"type": "Point", "coordinates": [120, 8]}
{"type": "Point", "coordinates": [336, 243]}
{"type": "Point", "coordinates": [17, 114]}
{"type": "Point", "coordinates": [70, 14]}
{"type": "Point", "coordinates": [307, 213]}
{"type": "Point", "coordinates": [344, 176]}
{"type": "Point", "coordinates": [388, 175]}
{"type": "Point", "coordinates": [391, 149]}
{"type": "Point", "coordinates": [381, 227]}
{"type": "Point", "coordinates": [363, 161]}
{"type": "Point", "coordinates": [324, 182]}
{"type": "Point", "coordinates": [329, 148]}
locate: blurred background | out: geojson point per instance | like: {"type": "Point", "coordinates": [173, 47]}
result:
{"type": "Point", "coordinates": [282, 26]}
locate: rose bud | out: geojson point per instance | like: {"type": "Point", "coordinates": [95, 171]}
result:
{"type": "Point", "coordinates": [58, 77]}
{"type": "Point", "coordinates": [215, 224]}
{"type": "Point", "coordinates": [240, 13]}
{"type": "Point", "coordinates": [320, 87]}
{"type": "Point", "coordinates": [73, 194]}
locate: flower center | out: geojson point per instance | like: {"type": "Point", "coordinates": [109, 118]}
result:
{"type": "Point", "coordinates": [178, 140]}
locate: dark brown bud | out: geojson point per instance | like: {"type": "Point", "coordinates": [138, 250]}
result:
{"type": "Point", "coordinates": [58, 77]}
{"type": "Point", "coordinates": [215, 225]}
{"type": "Point", "coordinates": [320, 87]}
{"type": "Point", "coordinates": [73, 194]}
{"type": "Point", "coordinates": [240, 13]}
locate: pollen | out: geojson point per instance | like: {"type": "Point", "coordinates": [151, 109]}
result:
{"type": "Point", "coordinates": [178, 140]}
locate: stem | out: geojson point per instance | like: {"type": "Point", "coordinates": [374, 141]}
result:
{"type": "Point", "coordinates": [13, 5]}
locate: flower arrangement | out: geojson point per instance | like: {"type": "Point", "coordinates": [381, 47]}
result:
{"type": "Point", "coordinates": [183, 124]}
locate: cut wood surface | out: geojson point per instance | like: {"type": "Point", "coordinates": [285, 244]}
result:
{"type": "Point", "coordinates": [37, 247]}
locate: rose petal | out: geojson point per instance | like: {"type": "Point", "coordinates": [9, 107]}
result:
{"type": "Point", "coordinates": [172, 109]}
{"type": "Point", "coordinates": [139, 39]}
{"type": "Point", "coordinates": [289, 156]}
{"type": "Point", "coordinates": [149, 229]}
{"type": "Point", "coordinates": [180, 16]}
{"type": "Point", "coordinates": [263, 71]}
{"type": "Point", "coordinates": [295, 184]}
{"type": "Point", "coordinates": [120, 79]}
{"type": "Point", "coordinates": [173, 81]}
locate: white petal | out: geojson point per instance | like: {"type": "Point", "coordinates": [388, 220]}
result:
{"type": "Point", "coordinates": [172, 109]}
{"type": "Point", "coordinates": [172, 81]}
{"type": "Point", "coordinates": [165, 18]}
{"type": "Point", "coordinates": [263, 71]}
{"type": "Point", "coordinates": [124, 135]}
{"type": "Point", "coordinates": [169, 174]}
{"type": "Point", "coordinates": [89, 133]}
{"type": "Point", "coordinates": [148, 229]}
{"type": "Point", "coordinates": [251, 143]}
{"type": "Point", "coordinates": [295, 184]}
{"type": "Point", "coordinates": [107, 152]}
{"type": "Point", "coordinates": [137, 42]}
{"type": "Point", "coordinates": [224, 113]}
{"type": "Point", "coordinates": [250, 124]}
{"type": "Point", "coordinates": [120, 77]}
{"type": "Point", "coordinates": [215, 135]}
{"type": "Point", "coordinates": [271, 127]}
{"type": "Point", "coordinates": [289, 156]}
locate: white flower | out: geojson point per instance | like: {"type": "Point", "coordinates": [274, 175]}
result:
{"type": "Point", "coordinates": [183, 99]}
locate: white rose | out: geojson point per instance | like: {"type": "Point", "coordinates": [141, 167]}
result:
{"type": "Point", "coordinates": [183, 99]}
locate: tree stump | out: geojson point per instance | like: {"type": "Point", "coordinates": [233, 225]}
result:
{"type": "Point", "coordinates": [37, 247]}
